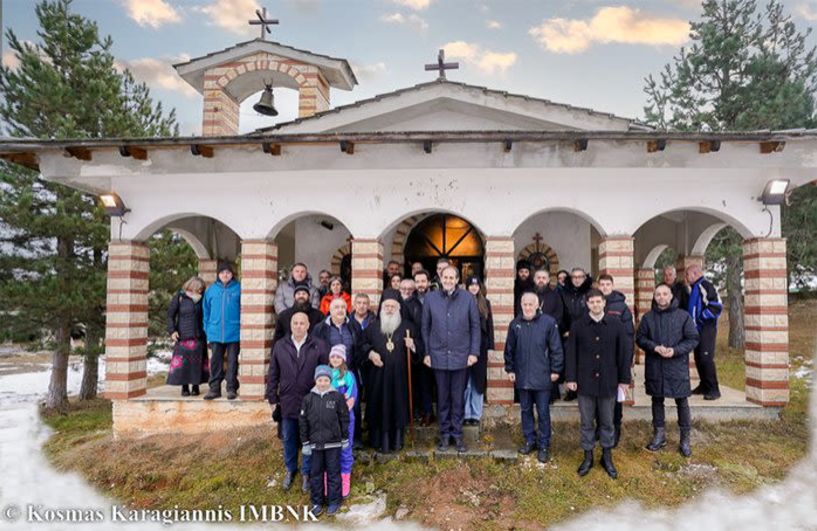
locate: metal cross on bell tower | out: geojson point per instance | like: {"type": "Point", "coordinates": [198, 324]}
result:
{"type": "Point", "coordinates": [263, 21]}
{"type": "Point", "coordinates": [441, 65]}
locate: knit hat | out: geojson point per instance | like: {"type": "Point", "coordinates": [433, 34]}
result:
{"type": "Point", "coordinates": [522, 264]}
{"type": "Point", "coordinates": [323, 370]}
{"type": "Point", "coordinates": [226, 265]}
{"type": "Point", "coordinates": [338, 350]}
{"type": "Point", "coordinates": [473, 279]}
{"type": "Point", "coordinates": [300, 287]}
{"type": "Point", "coordinates": [390, 294]}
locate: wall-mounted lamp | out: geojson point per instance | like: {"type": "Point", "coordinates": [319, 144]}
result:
{"type": "Point", "coordinates": [114, 206]}
{"type": "Point", "coordinates": [775, 192]}
{"type": "Point", "coordinates": [328, 225]}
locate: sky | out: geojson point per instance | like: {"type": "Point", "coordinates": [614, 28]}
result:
{"type": "Point", "coordinates": [589, 53]}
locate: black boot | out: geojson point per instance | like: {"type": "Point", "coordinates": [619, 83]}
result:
{"type": "Point", "coordinates": [195, 391]}
{"type": "Point", "coordinates": [527, 448]}
{"type": "Point", "coordinates": [685, 448]}
{"type": "Point", "coordinates": [659, 440]}
{"type": "Point", "coordinates": [185, 390]}
{"type": "Point", "coordinates": [587, 464]}
{"type": "Point", "coordinates": [570, 396]}
{"type": "Point", "coordinates": [607, 462]}
{"type": "Point", "coordinates": [398, 440]}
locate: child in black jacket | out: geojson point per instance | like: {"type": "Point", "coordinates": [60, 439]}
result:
{"type": "Point", "coordinates": [324, 425]}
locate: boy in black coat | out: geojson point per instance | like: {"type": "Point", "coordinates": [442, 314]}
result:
{"type": "Point", "coordinates": [598, 368]}
{"type": "Point", "coordinates": [324, 424]}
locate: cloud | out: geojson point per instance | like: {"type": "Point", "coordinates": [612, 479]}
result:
{"type": "Point", "coordinates": [153, 13]}
{"type": "Point", "coordinates": [609, 24]}
{"type": "Point", "coordinates": [232, 15]}
{"type": "Point", "coordinates": [415, 21]}
{"type": "Point", "coordinates": [159, 73]}
{"type": "Point", "coordinates": [370, 71]}
{"type": "Point", "coordinates": [488, 61]}
{"type": "Point", "coordinates": [493, 24]}
{"type": "Point", "coordinates": [417, 5]}
{"type": "Point", "coordinates": [807, 10]}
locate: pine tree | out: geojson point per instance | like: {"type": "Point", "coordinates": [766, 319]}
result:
{"type": "Point", "coordinates": [746, 69]}
{"type": "Point", "coordinates": [54, 239]}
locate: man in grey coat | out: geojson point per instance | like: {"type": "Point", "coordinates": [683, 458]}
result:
{"type": "Point", "coordinates": [285, 294]}
{"type": "Point", "coordinates": [451, 332]}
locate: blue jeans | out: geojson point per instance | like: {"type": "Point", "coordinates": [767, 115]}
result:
{"type": "Point", "coordinates": [473, 401]}
{"type": "Point", "coordinates": [541, 399]}
{"type": "Point", "coordinates": [292, 445]}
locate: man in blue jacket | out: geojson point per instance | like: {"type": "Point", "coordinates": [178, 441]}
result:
{"type": "Point", "coordinates": [221, 313]}
{"type": "Point", "coordinates": [533, 360]}
{"type": "Point", "coordinates": [704, 305]}
{"type": "Point", "coordinates": [451, 332]}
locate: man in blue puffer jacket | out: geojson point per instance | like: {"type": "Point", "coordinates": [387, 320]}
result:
{"type": "Point", "coordinates": [222, 318]}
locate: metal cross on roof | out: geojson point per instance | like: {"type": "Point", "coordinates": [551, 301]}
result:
{"type": "Point", "coordinates": [441, 65]}
{"type": "Point", "coordinates": [263, 21]}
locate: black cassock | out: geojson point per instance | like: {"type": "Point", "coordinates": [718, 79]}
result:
{"type": "Point", "coordinates": [387, 399]}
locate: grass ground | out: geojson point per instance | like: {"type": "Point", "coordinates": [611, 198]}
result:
{"type": "Point", "coordinates": [233, 468]}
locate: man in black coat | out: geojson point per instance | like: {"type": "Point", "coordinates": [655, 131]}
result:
{"type": "Point", "coordinates": [291, 371]}
{"type": "Point", "coordinates": [411, 310]}
{"type": "Point", "coordinates": [680, 291]}
{"type": "Point", "coordinates": [667, 334]}
{"type": "Point", "coordinates": [521, 284]}
{"type": "Point", "coordinates": [573, 294]}
{"type": "Point", "coordinates": [301, 296]}
{"type": "Point", "coordinates": [533, 361]}
{"type": "Point", "coordinates": [615, 305]}
{"type": "Point", "coordinates": [598, 369]}
{"type": "Point", "coordinates": [550, 301]}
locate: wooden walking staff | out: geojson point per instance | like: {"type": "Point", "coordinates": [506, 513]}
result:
{"type": "Point", "coordinates": [411, 397]}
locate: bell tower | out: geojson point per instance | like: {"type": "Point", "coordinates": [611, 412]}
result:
{"type": "Point", "coordinates": [226, 78]}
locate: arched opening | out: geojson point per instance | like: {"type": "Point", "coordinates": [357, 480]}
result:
{"type": "Point", "coordinates": [286, 103]}
{"type": "Point", "coordinates": [446, 236]}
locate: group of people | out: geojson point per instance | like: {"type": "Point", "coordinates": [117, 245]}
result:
{"type": "Point", "coordinates": [429, 340]}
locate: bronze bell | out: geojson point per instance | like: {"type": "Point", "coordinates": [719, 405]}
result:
{"type": "Point", "coordinates": [266, 105]}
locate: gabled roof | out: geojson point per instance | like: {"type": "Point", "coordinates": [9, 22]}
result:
{"type": "Point", "coordinates": [336, 70]}
{"type": "Point", "coordinates": [313, 122]}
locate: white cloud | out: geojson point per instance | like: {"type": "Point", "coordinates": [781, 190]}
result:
{"type": "Point", "coordinates": [417, 5]}
{"type": "Point", "coordinates": [369, 71]}
{"type": "Point", "coordinates": [807, 10]}
{"type": "Point", "coordinates": [153, 13]}
{"type": "Point", "coordinates": [159, 73]}
{"type": "Point", "coordinates": [488, 61]}
{"type": "Point", "coordinates": [415, 21]}
{"type": "Point", "coordinates": [232, 15]}
{"type": "Point", "coordinates": [610, 24]}
{"type": "Point", "coordinates": [493, 24]}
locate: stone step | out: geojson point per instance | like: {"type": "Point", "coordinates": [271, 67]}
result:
{"type": "Point", "coordinates": [428, 435]}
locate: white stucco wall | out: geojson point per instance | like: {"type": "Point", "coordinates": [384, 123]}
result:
{"type": "Point", "coordinates": [315, 245]}
{"type": "Point", "coordinates": [567, 234]}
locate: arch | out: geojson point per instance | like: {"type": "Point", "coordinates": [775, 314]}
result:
{"type": "Point", "coordinates": [722, 216]}
{"type": "Point", "coordinates": [652, 256]}
{"type": "Point", "coordinates": [703, 241]}
{"type": "Point", "coordinates": [203, 239]}
{"type": "Point", "coordinates": [547, 251]}
{"type": "Point", "coordinates": [286, 220]}
{"type": "Point", "coordinates": [398, 243]}
{"type": "Point", "coordinates": [245, 79]}
{"type": "Point", "coordinates": [193, 241]}
{"type": "Point", "coordinates": [586, 217]}
{"type": "Point", "coordinates": [423, 213]}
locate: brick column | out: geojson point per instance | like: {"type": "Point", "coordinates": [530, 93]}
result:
{"type": "Point", "coordinates": [207, 270]}
{"type": "Point", "coordinates": [499, 276]}
{"type": "Point", "coordinates": [766, 321]}
{"type": "Point", "coordinates": [313, 94]}
{"type": "Point", "coordinates": [221, 112]}
{"type": "Point", "coordinates": [617, 258]}
{"type": "Point", "coordinates": [259, 279]}
{"type": "Point", "coordinates": [644, 289]}
{"type": "Point", "coordinates": [367, 269]}
{"type": "Point", "coordinates": [126, 326]}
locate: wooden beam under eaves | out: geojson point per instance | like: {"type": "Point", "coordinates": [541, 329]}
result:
{"type": "Point", "coordinates": [580, 145]}
{"type": "Point", "coordinates": [271, 149]}
{"type": "Point", "coordinates": [772, 146]}
{"type": "Point", "coordinates": [133, 152]}
{"type": "Point", "coordinates": [79, 153]}
{"type": "Point", "coordinates": [201, 150]}
{"type": "Point", "coordinates": [29, 160]}
{"type": "Point", "coordinates": [659, 144]}
{"type": "Point", "coordinates": [347, 147]}
{"type": "Point", "coordinates": [709, 146]}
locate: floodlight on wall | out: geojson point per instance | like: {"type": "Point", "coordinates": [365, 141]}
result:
{"type": "Point", "coordinates": [114, 206]}
{"type": "Point", "coordinates": [775, 192]}
{"type": "Point", "coordinates": [328, 225]}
